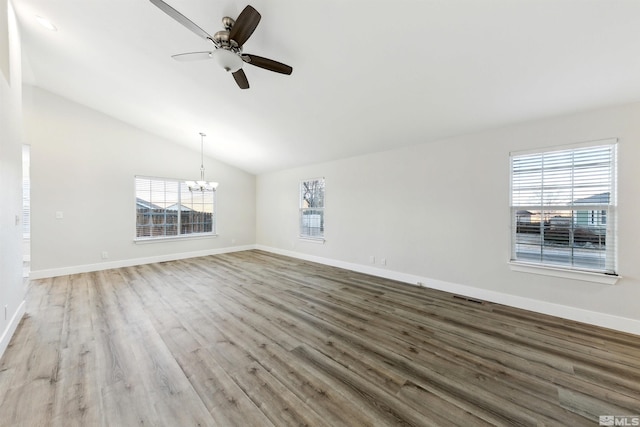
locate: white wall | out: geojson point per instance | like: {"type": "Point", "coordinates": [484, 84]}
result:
{"type": "Point", "coordinates": [83, 164]}
{"type": "Point", "coordinates": [12, 290]}
{"type": "Point", "coordinates": [439, 214]}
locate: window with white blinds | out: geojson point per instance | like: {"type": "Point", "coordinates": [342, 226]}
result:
{"type": "Point", "coordinates": [26, 192]}
{"type": "Point", "coordinates": [312, 208]}
{"type": "Point", "coordinates": [563, 207]}
{"type": "Point", "coordinates": [165, 208]}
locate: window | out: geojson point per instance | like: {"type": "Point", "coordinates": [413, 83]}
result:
{"type": "Point", "coordinates": [166, 208]}
{"type": "Point", "coordinates": [312, 208]}
{"type": "Point", "coordinates": [563, 207]}
{"type": "Point", "coordinates": [26, 192]}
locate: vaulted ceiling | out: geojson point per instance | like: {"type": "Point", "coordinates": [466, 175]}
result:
{"type": "Point", "coordinates": [367, 75]}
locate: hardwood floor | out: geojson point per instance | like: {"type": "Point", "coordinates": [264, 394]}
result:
{"type": "Point", "coordinates": [257, 339]}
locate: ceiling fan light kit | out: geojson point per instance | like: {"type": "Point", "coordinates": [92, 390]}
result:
{"type": "Point", "coordinates": [228, 60]}
{"type": "Point", "coordinates": [228, 43]}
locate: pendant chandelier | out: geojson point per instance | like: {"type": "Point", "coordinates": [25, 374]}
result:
{"type": "Point", "coordinates": [201, 185]}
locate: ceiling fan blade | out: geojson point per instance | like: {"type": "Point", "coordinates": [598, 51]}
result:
{"type": "Point", "coordinates": [192, 56]}
{"type": "Point", "coordinates": [245, 25]}
{"type": "Point", "coordinates": [241, 78]}
{"type": "Point", "coordinates": [181, 18]}
{"type": "Point", "coordinates": [267, 64]}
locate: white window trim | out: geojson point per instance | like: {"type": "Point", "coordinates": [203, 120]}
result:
{"type": "Point", "coordinates": [574, 146]}
{"type": "Point", "coordinates": [560, 271]}
{"type": "Point", "coordinates": [145, 240]}
{"type": "Point", "coordinates": [545, 270]}
{"type": "Point", "coordinates": [319, 240]}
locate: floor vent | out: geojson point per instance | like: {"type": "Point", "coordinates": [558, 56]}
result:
{"type": "Point", "coordinates": [475, 301]}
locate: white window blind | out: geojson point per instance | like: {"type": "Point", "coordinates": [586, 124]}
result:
{"type": "Point", "coordinates": [166, 208]}
{"type": "Point", "coordinates": [312, 208]}
{"type": "Point", "coordinates": [26, 192]}
{"type": "Point", "coordinates": [563, 207]}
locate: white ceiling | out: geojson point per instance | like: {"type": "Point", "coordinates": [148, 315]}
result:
{"type": "Point", "coordinates": [367, 75]}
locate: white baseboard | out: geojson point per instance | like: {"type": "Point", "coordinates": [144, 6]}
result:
{"type": "Point", "coordinates": [566, 312]}
{"type": "Point", "coordinates": [11, 327]}
{"type": "Point", "coordinates": [64, 271]}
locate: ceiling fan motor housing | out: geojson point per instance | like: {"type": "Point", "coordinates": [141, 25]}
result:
{"type": "Point", "coordinates": [228, 23]}
{"type": "Point", "coordinates": [221, 39]}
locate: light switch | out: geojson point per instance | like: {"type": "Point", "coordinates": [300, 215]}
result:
{"type": "Point", "coordinates": [59, 215]}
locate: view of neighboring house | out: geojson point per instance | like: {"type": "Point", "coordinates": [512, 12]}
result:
{"type": "Point", "coordinates": [592, 217]}
{"type": "Point", "coordinates": [523, 217]}
{"type": "Point", "coordinates": [582, 224]}
{"type": "Point", "coordinates": [153, 220]}
{"type": "Point", "coordinates": [179, 207]}
{"type": "Point", "coordinates": [144, 204]}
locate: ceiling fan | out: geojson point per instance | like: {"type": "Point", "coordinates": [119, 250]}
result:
{"type": "Point", "coordinates": [228, 43]}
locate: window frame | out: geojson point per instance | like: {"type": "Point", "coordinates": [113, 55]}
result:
{"type": "Point", "coordinates": [318, 238]}
{"type": "Point", "coordinates": [182, 188]}
{"type": "Point", "coordinates": [607, 273]}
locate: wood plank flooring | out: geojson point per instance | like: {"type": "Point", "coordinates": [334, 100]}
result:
{"type": "Point", "coordinates": [256, 339]}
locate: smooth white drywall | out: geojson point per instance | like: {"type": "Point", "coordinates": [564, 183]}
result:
{"type": "Point", "coordinates": [83, 165]}
{"type": "Point", "coordinates": [440, 212]}
{"type": "Point", "coordinates": [12, 289]}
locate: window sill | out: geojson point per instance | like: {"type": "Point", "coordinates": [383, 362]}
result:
{"type": "Point", "coordinates": [318, 240]}
{"type": "Point", "coordinates": [144, 241]}
{"type": "Point", "coordinates": [544, 270]}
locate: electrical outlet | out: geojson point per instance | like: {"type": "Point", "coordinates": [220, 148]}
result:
{"type": "Point", "coordinates": [383, 261]}
{"type": "Point", "coordinates": [59, 215]}
{"type": "Point", "coordinates": [372, 259]}
{"type": "Point", "coordinates": [105, 254]}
